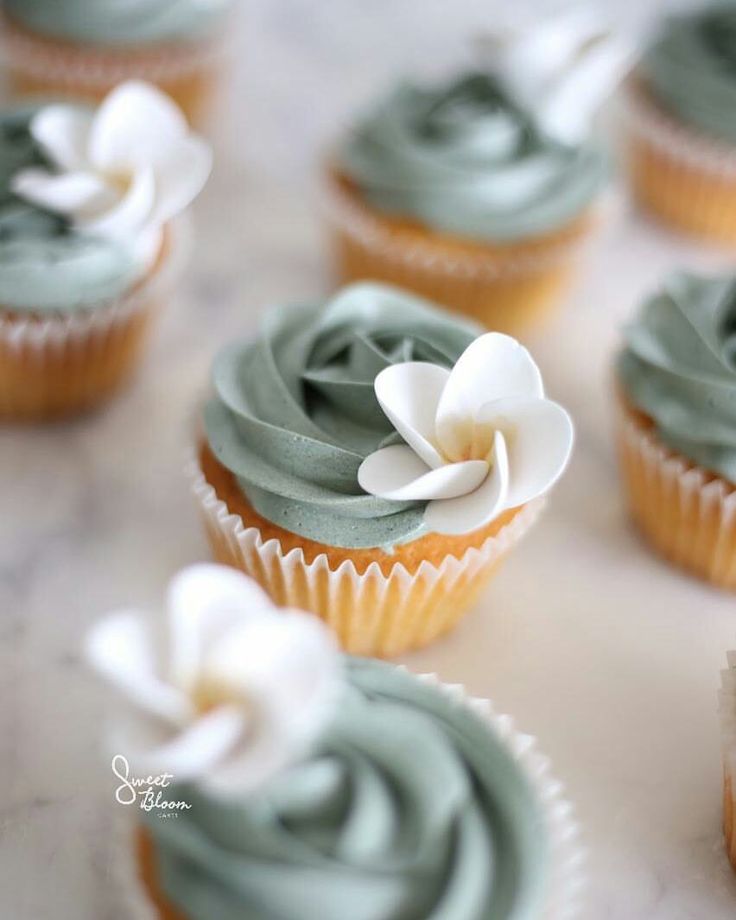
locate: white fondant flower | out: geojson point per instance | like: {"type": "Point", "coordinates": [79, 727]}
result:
{"type": "Point", "coordinates": [479, 439]}
{"type": "Point", "coordinates": [564, 66]}
{"type": "Point", "coordinates": [230, 693]}
{"type": "Point", "coordinates": [122, 171]}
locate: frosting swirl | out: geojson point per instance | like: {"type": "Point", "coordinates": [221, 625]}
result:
{"type": "Point", "coordinates": [44, 264]}
{"type": "Point", "coordinates": [408, 807]}
{"type": "Point", "coordinates": [119, 22]}
{"type": "Point", "coordinates": [679, 367]}
{"type": "Point", "coordinates": [295, 414]}
{"type": "Point", "coordinates": [691, 69]}
{"type": "Point", "coordinates": [464, 158]}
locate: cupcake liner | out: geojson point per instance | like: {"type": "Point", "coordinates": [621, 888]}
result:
{"type": "Point", "coordinates": [727, 710]}
{"type": "Point", "coordinates": [688, 515]}
{"type": "Point", "coordinates": [371, 613]}
{"type": "Point", "coordinates": [566, 877]}
{"type": "Point", "coordinates": [54, 365]}
{"type": "Point", "coordinates": [686, 179]}
{"type": "Point", "coordinates": [507, 289]}
{"type": "Point", "coordinates": [37, 66]}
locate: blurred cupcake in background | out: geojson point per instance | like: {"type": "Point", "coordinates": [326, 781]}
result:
{"type": "Point", "coordinates": [478, 191]}
{"type": "Point", "coordinates": [373, 460]}
{"type": "Point", "coordinates": [676, 381]}
{"type": "Point", "coordinates": [682, 124]}
{"type": "Point", "coordinates": [282, 774]}
{"type": "Point", "coordinates": [81, 49]}
{"type": "Point", "coordinates": [88, 243]}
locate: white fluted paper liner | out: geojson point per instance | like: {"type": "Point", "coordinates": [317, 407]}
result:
{"type": "Point", "coordinates": [675, 140]}
{"type": "Point", "coordinates": [69, 66]}
{"type": "Point", "coordinates": [727, 710]}
{"type": "Point", "coordinates": [346, 215]}
{"type": "Point", "coordinates": [565, 883]}
{"type": "Point", "coordinates": [372, 613]}
{"type": "Point", "coordinates": [80, 341]}
{"type": "Point", "coordinates": [687, 514]}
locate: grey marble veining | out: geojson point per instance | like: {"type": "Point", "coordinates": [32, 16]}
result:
{"type": "Point", "coordinates": [607, 655]}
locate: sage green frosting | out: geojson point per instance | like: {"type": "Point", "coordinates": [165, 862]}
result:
{"type": "Point", "coordinates": [119, 22]}
{"type": "Point", "coordinates": [466, 159]}
{"type": "Point", "coordinates": [679, 367]}
{"type": "Point", "coordinates": [691, 69]}
{"type": "Point", "coordinates": [295, 414]}
{"type": "Point", "coordinates": [45, 265]}
{"type": "Point", "coordinates": [409, 808]}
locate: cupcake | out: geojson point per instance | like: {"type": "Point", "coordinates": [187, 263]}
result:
{"type": "Point", "coordinates": [682, 124]}
{"type": "Point", "coordinates": [81, 50]}
{"type": "Point", "coordinates": [373, 459]}
{"type": "Point", "coordinates": [263, 772]}
{"type": "Point", "coordinates": [457, 192]}
{"type": "Point", "coordinates": [727, 707]}
{"type": "Point", "coordinates": [677, 424]}
{"type": "Point", "coordinates": [87, 243]}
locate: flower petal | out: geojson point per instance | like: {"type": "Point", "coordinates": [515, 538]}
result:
{"type": "Point", "coordinates": [62, 131]}
{"type": "Point", "coordinates": [68, 193]}
{"type": "Point", "coordinates": [120, 648]}
{"type": "Point", "coordinates": [288, 671]}
{"type": "Point", "coordinates": [204, 603]}
{"type": "Point", "coordinates": [197, 750]}
{"type": "Point", "coordinates": [136, 124]}
{"type": "Point", "coordinates": [132, 212]}
{"type": "Point", "coordinates": [180, 177]}
{"type": "Point", "coordinates": [469, 512]}
{"type": "Point", "coordinates": [289, 662]}
{"type": "Point", "coordinates": [409, 394]}
{"type": "Point", "coordinates": [494, 366]}
{"type": "Point", "coordinates": [539, 437]}
{"type": "Point", "coordinates": [396, 473]}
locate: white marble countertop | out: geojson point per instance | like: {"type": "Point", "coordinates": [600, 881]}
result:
{"type": "Point", "coordinates": [610, 657]}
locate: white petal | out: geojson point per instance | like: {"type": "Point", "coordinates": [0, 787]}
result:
{"type": "Point", "coordinates": [289, 668]}
{"type": "Point", "coordinates": [289, 663]}
{"type": "Point", "coordinates": [567, 109]}
{"type": "Point", "coordinates": [539, 436]}
{"type": "Point", "coordinates": [68, 193]}
{"type": "Point", "coordinates": [180, 177]}
{"type": "Point", "coordinates": [198, 749]}
{"type": "Point", "coordinates": [62, 131]}
{"type": "Point", "coordinates": [132, 212]}
{"type": "Point", "coordinates": [409, 394]}
{"type": "Point", "coordinates": [396, 473]}
{"type": "Point", "coordinates": [136, 125]}
{"type": "Point", "coordinates": [494, 366]}
{"type": "Point", "coordinates": [468, 513]}
{"type": "Point", "coordinates": [206, 602]}
{"type": "Point", "coordinates": [121, 649]}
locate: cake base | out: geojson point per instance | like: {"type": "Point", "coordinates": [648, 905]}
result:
{"type": "Point", "coordinates": [378, 603]}
{"type": "Point", "coordinates": [506, 287]}
{"type": "Point", "coordinates": [46, 68]}
{"type": "Point", "coordinates": [53, 366]}
{"type": "Point", "coordinates": [683, 179]}
{"type": "Point", "coordinates": [686, 513]}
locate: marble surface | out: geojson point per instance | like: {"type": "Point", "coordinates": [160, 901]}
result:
{"type": "Point", "coordinates": [610, 657]}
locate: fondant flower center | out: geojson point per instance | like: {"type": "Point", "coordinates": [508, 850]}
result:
{"type": "Point", "coordinates": [211, 692]}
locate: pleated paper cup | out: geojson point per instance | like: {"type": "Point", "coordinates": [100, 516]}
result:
{"type": "Point", "coordinates": [52, 366]}
{"type": "Point", "coordinates": [683, 178]}
{"type": "Point", "coordinates": [565, 880]}
{"type": "Point", "coordinates": [686, 513]}
{"type": "Point", "coordinates": [46, 68]}
{"type": "Point", "coordinates": [374, 611]}
{"type": "Point", "coordinates": [727, 709]}
{"type": "Point", "coordinates": [510, 288]}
